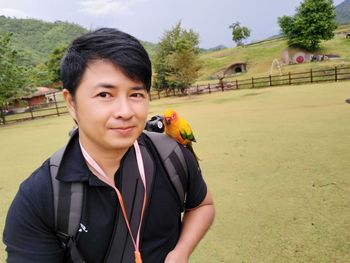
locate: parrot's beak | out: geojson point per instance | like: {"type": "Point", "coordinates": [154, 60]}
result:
{"type": "Point", "coordinates": [167, 121]}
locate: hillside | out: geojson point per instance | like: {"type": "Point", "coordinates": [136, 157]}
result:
{"type": "Point", "coordinates": [343, 12]}
{"type": "Point", "coordinates": [36, 39]}
{"type": "Point", "coordinates": [259, 57]}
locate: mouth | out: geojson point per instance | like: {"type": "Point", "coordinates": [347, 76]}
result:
{"type": "Point", "coordinates": [123, 130]}
{"type": "Point", "coordinates": [167, 121]}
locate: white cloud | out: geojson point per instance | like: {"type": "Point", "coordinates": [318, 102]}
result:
{"type": "Point", "coordinates": [11, 12]}
{"type": "Point", "coordinates": [104, 7]}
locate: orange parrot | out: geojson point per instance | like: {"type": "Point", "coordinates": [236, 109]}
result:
{"type": "Point", "coordinates": [179, 129]}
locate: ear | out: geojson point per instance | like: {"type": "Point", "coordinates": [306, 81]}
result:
{"type": "Point", "coordinates": [70, 102]}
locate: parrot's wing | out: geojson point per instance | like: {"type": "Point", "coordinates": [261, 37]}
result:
{"type": "Point", "coordinates": [186, 131]}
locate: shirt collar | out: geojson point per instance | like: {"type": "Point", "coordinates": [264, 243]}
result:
{"type": "Point", "coordinates": [73, 167]}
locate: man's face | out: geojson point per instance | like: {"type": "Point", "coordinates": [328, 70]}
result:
{"type": "Point", "coordinates": [111, 109]}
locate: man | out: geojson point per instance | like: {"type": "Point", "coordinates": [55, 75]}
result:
{"type": "Point", "coordinates": [106, 76]}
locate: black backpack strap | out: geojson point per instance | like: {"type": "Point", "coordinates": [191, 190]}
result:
{"type": "Point", "coordinates": [68, 202]}
{"type": "Point", "coordinates": [173, 160]}
{"type": "Point", "coordinates": [121, 247]}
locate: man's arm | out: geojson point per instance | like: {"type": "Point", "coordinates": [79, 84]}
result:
{"type": "Point", "coordinates": [195, 224]}
{"type": "Point", "coordinates": [28, 233]}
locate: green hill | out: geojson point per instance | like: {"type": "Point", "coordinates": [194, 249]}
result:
{"type": "Point", "coordinates": [343, 12]}
{"type": "Point", "coordinates": [259, 57]}
{"type": "Point", "coordinates": [36, 39]}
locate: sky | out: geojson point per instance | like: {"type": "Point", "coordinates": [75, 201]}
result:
{"type": "Point", "coordinates": [149, 19]}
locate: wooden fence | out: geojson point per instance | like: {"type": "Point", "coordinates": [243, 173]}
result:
{"type": "Point", "coordinates": [57, 106]}
{"type": "Point", "coordinates": [297, 78]}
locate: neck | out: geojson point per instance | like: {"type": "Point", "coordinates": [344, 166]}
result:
{"type": "Point", "coordinates": [108, 160]}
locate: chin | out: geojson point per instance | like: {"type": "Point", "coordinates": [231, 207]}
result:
{"type": "Point", "coordinates": [123, 143]}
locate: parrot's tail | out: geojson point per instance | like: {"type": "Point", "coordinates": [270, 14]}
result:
{"type": "Point", "coordinates": [189, 146]}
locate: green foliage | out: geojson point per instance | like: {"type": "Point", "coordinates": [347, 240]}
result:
{"type": "Point", "coordinates": [54, 61]}
{"type": "Point", "coordinates": [39, 76]}
{"type": "Point", "coordinates": [40, 46]}
{"type": "Point", "coordinates": [36, 39]}
{"type": "Point", "coordinates": [343, 12]}
{"type": "Point", "coordinates": [239, 33]}
{"type": "Point", "coordinates": [151, 48]}
{"type": "Point", "coordinates": [314, 21]}
{"type": "Point", "coordinates": [12, 76]}
{"type": "Point", "coordinates": [176, 62]}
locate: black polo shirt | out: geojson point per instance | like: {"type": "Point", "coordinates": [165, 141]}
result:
{"type": "Point", "coordinates": [29, 233]}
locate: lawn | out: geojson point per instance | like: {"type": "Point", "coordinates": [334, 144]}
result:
{"type": "Point", "coordinates": [276, 160]}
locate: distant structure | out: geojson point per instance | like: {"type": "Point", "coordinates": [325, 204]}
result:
{"type": "Point", "coordinates": [295, 56]}
{"type": "Point", "coordinates": [235, 68]}
{"type": "Point", "coordinates": [41, 95]}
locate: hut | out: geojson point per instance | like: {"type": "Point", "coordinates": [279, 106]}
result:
{"type": "Point", "coordinates": [235, 68]}
{"type": "Point", "coordinates": [40, 96]}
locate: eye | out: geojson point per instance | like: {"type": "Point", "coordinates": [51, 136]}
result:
{"type": "Point", "coordinates": [104, 95]}
{"type": "Point", "coordinates": [138, 95]}
{"type": "Point", "coordinates": [173, 116]}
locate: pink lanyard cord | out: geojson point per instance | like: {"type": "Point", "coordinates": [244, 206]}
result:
{"type": "Point", "coordinates": [103, 177]}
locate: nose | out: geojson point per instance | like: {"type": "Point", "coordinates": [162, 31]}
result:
{"type": "Point", "coordinates": [122, 109]}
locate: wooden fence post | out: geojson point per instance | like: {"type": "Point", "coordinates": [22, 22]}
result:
{"type": "Point", "coordinates": [253, 82]}
{"type": "Point", "coordinates": [54, 99]}
{"type": "Point", "coordinates": [209, 88]}
{"type": "Point", "coordinates": [158, 94]}
{"type": "Point", "coordinates": [197, 91]}
{"type": "Point", "coordinates": [289, 78]}
{"type": "Point", "coordinates": [335, 73]}
{"type": "Point", "coordinates": [311, 78]}
{"type": "Point", "coordinates": [30, 109]}
{"type": "Point", "coordinates": [237, 84]}
{"type": "Point", "coordinates": [270, 80]}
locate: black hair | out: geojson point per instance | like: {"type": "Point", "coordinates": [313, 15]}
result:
{"type": "Point", "coordinates": [121, 49]}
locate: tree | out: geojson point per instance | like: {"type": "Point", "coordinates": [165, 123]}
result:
{"type": "Point", "coordinates": [239, 33]}
{"type": "Point", "coordinates": [39, 76]}
{"type": "Point", "coordinates": [176, 62]}
{"type": "Point", "coordinates": [54, 62]}
{"type": "Point", "coordinates": [314, 21]}
{"type": "Point", "coordinates": [12, 76]}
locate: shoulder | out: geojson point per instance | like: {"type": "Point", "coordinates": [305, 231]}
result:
{"type": "Point", "coordinates": [39, 182]}
{"type": "Point", "coordinates": [29, 227]}
{"type": "Point", "coordinates": [35, 195]}
{"type": "Point", "coordinates": [196, 186]}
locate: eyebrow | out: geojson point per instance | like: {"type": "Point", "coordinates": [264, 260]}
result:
{"type": "Point", "coordinates": [111, 86]}
{"type": "Point", "coordinates": [136, 88]}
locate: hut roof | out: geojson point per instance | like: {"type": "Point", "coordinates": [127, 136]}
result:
{"type": "Point", "coordinates": [40, 91]}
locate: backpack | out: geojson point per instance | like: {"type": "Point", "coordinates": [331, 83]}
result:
{"type": "Point", "coordinates": [68, 197]}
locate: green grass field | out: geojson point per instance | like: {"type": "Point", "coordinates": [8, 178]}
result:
{"type": "Point", "coordinates": [276, 160]}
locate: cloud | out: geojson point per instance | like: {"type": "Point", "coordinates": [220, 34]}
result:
{"type": "Point", "coordinates": [10, 12]}
{"type": "Point", "coordinates": [107, 7]}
